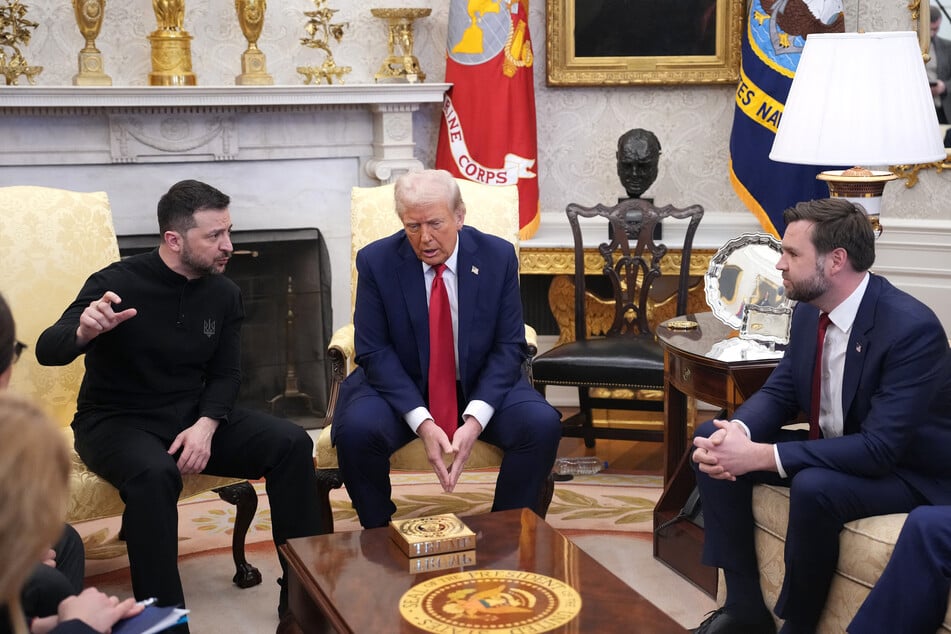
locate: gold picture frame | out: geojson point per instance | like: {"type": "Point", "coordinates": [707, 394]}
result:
{"type": "Point", "coordinates": [686, 49]}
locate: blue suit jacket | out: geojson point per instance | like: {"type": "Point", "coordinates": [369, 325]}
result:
{"type": "Point", "coordinates": [391, 322]}
{"type": "Point", "coordinates": [896, 395]}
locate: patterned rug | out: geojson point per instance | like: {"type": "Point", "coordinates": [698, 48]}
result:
{"type": "Point", "coordinates": [604, 502]}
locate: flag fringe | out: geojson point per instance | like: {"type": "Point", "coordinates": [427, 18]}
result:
{"type": "Point", "coordinates": [752, 204]}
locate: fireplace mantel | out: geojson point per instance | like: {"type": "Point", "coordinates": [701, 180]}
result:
{"type": "Point", "coordinates": [287, 155]}
{"type": "Point", "coordinates": [79, 99]}
{"type": "Point", "coordinates": [188, 123]}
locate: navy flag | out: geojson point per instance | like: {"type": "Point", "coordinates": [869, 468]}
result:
{"type": "Point", "coordinates": [775, 33]}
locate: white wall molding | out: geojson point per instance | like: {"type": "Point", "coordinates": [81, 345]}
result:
{"type": "Point", "coordinates": [915, 255]}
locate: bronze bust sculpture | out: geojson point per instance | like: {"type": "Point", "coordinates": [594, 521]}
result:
{"type": "Point", "coordinates": [638, 152]}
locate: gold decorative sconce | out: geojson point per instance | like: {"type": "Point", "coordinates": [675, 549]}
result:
{"type": "Point", "coordinates": [910, 172]}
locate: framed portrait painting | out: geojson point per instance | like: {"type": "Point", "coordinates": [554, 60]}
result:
{"type": "Point", "coordinates": [628, 42]}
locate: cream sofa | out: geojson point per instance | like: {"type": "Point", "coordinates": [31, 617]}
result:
{"type": "Point", "coordinates": [865, 547]}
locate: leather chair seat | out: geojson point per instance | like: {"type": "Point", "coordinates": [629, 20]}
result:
{"type": "Point", "coordinates": [634, 362]}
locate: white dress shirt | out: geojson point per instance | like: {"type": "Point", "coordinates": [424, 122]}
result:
{"type": "Point", "coordinates": [480, 410]}
{"type": "Point", "coordinates": [831, 417]}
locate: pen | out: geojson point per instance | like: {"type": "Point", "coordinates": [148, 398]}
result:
{"type": "Point", "coordinates": [147, 602]}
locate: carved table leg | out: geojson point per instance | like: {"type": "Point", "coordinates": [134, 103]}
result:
{"type": "Point", "coordinates": [327, 479]}
{"type": "Point", "coordinates": [244, 498]}
{"type": "Point", "coordinates": [545, 495]}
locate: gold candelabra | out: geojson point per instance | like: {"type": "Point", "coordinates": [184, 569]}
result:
{"type": "Point", "coordinates": [319, 31]}
{"type": "Point", "coordinates": [253, 62]}
{"type": "Point", "coordinates": [89, 14]}
{"type": "Point", "coordinates": [400, 36]}
{"type": "Point", "coordinates": [15, 31]}
{"type": "Point", "coordinates": [171, 46]}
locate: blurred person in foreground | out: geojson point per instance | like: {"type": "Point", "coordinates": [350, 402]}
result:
{"type": "Point", "coordinates": [60, 574]}
{"type": "Point", "coordinates": [911, 596]}
{"type": "Point", "coordinates": [32, 510]}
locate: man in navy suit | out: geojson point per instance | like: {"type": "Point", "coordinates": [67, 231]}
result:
{"type": "Point", "coordinates": [884, 422]}
{"type": "Point", "coordinates": [384, 403]}
{"type": "Point", "coordinates": [911, 596]}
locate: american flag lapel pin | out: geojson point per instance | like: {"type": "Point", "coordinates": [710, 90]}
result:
{"type": "Point", "coordinates": [858, 347]}
{"type": "Point", "coordinates": [475, 270]}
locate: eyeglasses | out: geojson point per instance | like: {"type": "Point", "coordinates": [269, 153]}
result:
{"type": "Point", "coordinates": [18, 348]}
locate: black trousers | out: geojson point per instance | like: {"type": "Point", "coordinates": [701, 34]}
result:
{"type": "Point", "coordinates": [47, 586]}
{"type": "Point", "coordinates": [250, 445]}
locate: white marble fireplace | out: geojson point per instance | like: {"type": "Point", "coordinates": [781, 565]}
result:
{"type": "Point", "coordinates": [287, 155]}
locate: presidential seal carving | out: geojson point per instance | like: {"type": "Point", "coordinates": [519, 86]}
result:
{"type": "Point", "coordinates": [432, 527]}
{"type": "Point", "coordinates": [491, 601]}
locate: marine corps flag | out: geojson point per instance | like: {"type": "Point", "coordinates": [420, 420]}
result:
{"type": "Point", "coordinates": [487, 133]}
{"type": "Point", "coordinates": [774, 34]}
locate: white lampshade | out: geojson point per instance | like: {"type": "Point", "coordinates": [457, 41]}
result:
{"type": "Point", "coordinates": [859, 99]}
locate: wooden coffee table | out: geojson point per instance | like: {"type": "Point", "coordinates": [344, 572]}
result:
{"type": "Point", "coordinates": [353, 581]}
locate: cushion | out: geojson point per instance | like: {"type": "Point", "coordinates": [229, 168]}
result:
{"type": "Point", "coordinates": [636, 362]}
{"type": "Point", "coordinates": [865, 544]}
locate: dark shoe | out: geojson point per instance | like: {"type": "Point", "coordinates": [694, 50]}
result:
{"type": "Point", "coordinates": [282, 609]}
{"type": "Point", "coordinates": [722, 622]}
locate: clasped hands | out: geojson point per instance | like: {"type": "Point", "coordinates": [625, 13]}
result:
{"type": "Point", "coordinates": [729, 453]}
{"type": "Point", "coordinates": [438, 447]}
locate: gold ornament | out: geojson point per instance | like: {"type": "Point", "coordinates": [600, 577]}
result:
{"type": "Point", "coordinates": [319, 31]}
{"type": "Point", "coordinates": [89, 14]}
{"type": "Point", "coordinates": [400, 36]}
{"type": "Point", "coordinates": [171, 46]}
{"type": "Point", "coordinates": [15, 30]}
{"type": "Point", "coordinates": [253, 61]}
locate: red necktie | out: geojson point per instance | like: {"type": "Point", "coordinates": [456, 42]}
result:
{"type": "Point", "coordinates": [817, 377]}
{"type": "Point", "coordinates": [442, 358]}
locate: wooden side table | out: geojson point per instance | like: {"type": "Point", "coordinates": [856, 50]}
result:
{"type": "Point", "coordinates": [691, 371]}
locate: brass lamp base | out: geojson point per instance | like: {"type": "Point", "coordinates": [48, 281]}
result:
{"type": "Point", "coordinates": [861, 186]}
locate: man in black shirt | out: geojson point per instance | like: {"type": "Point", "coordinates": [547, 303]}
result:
{"type": "Point", "coordinates": [161, 336]}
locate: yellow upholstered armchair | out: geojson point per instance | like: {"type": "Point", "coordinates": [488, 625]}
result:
{"type": "Point", "coordinates": [372, 216]}
{"type": "Point", "coordinates": [51, 240]}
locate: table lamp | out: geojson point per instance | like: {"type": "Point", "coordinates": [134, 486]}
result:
{"type": "Point", "coordinates": [863, 100]}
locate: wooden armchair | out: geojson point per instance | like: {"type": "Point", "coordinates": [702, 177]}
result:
{"type": "Point", "coordinates": [372, 216]}
{"type": "Point", "coordinates": [51, 240]}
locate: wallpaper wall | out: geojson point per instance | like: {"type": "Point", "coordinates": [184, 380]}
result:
{"type": "Point", "coordinates": [577, 127]}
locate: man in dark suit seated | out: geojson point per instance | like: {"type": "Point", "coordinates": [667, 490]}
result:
{"type": "Point", "coordinates": [879, 411]}
{"type": "Point", "coordinates": [449, 393]}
